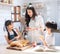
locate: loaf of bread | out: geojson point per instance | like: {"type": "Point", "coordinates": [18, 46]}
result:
{"type": "Point", "coordinates": [20, 43]}
{"type": "Point", "coordinates": [24, 42]}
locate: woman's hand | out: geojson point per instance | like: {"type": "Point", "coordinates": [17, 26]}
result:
{"type": "Point", "coordinates": [31, 29]}
{"type": "Point", "coordinates": [28, 29]}
{"type": "Point", "coordinates": [41, 29]}
{"type": "Point", "coordinates": [17, 37]}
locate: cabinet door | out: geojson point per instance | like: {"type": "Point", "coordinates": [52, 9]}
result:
{"type": "Point", "coordinates": [57, 39]}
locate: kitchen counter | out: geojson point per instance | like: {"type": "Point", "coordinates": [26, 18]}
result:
{"type": "Point", "coordinates": [31, 50]}
{"type": "Point", "coordinates": [56, 31]}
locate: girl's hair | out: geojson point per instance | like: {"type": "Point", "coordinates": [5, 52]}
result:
{"type": "Point", "coordinates": [28, 17]}
{"type": "Point", "coordinates": [7, 23]}
{"type": "Point", "coordinates": [51, 25]}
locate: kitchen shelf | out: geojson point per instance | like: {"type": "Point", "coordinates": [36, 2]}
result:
{"type": "Point", "coordinates": [5, 4]}
{"type": "Point", "coordinates": [56, 31]}
{"type": "Point", "coordinates": [16, 13]}
{"type": "Point", "coordinates": [15, 21]}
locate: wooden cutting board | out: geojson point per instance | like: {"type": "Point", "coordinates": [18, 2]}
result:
{"type": "Point", "coordinates": [19, 48]}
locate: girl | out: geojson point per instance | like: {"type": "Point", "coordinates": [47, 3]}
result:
{"type": "Point", "coordinates": [49, 39]}
{"type": "Point", "coordinates": [35, 24]}
{"type": "Point", "coordinates": [11, 34]}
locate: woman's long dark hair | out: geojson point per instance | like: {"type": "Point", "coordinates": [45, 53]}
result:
{"type": "Point", "coordinates": [27, 17]}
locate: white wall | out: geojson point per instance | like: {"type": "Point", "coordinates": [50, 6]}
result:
{"type": "Point", "coordinates": [58, 9]}
{"type": "Point", "coordinates": [5, 14]}
{"type": "Point", "coordinates": [18, 2]}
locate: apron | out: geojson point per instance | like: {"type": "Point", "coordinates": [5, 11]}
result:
{"type": "Point", "coordinates": [11, 36]}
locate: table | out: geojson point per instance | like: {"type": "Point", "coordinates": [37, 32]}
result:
{"type": "Point", "coordinates": [3, 50]}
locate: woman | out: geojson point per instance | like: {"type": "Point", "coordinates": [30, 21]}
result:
{"type": "Point", "coordinates": [35, 24]}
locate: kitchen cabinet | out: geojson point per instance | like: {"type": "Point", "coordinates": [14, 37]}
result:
{"type": "Point", "coordinates": [57, 39]}
{"type": "Point", "coordinates": [6, 1]}
{"type": "Point", "coordinates": [16, 13]}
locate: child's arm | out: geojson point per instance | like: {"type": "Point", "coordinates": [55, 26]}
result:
{"type": "Point", "coordinates": [43, 40]}
{"type": "Point", "coordinates": [8, 41]}
{"type": "Point", "coordinates": [19, 34]}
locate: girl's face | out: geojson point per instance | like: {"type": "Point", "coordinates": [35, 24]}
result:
{"type": "Point", "coordinates": [30, 12]}
{"type": "Point", "coordinates": [10, 26]}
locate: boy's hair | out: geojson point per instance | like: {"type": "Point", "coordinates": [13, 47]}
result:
{"type": "Point", "coordinates": [7, 23]}
{"type": "Point", "coordinates": [51, 25]}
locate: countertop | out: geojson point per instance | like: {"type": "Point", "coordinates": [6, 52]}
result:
{"type": "Point", "coordinates": [31, 50]}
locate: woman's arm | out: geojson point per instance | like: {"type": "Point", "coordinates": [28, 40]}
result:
{"type": "Point", "coordinates": [19, 34]}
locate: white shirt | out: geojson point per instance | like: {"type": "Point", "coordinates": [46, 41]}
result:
{"type": "Point", "coordinates": [50, 39]}
{"type": "Point", "coordinates": [35, 34]}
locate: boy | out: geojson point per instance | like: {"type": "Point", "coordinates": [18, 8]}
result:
{"type": "Point", "coordinates": [49, 38]}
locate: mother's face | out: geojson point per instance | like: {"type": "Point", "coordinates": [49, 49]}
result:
{"type": "Point", "coordinates": [30, 12]}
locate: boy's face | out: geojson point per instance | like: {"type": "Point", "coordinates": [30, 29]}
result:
{"type": "Point", "coordinates": [48, 29]}
{"type": "Point", "coordinates": [10, 26]}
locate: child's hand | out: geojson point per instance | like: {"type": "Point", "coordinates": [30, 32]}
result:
{"type": "Point", "coordinates": [16, 37]}
{"type": "Point", "coordinates": [43, 40]}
